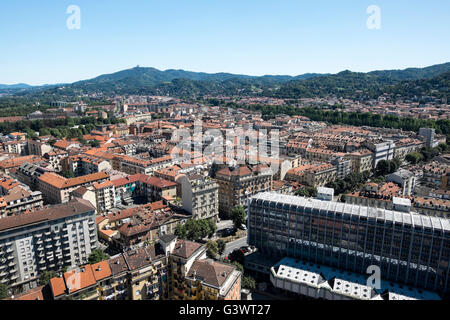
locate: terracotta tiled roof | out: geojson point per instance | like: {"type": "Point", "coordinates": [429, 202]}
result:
{"type": "Point", "coordinates": [58, 286]}
{"type": "Point", "coordinates": [101, 270]}
{"type": "Point", "coordinates": [17, 162]}
{"type": "Point", "coordinates": [32, 294]}
{"type": "Point", "coordinates": [185, 249]}
{"type": "Point", "coordinates": [60, 182]}
{"type": "Point", "coordinates": [79, 279]}
{"type": "Point", "coordinates": [73, 207]}
{"type": "Point", "coordinates": [209, 272]}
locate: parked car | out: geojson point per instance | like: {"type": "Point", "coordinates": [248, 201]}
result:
{"type": "Point", "coordinates": [245, 249]}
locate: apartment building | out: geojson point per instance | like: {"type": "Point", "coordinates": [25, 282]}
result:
{"type": "Point", "coordinates": [192, 277]}
{"type": "Point", "coordinates": [87, 282]}
{"type": "Point", "coordinates": [56, 189]}
{"type": "Point", "coordinates": [406, 179]}
{"type": "Point", "coordinates": [84, 164]}
{"type": "Point", "coordinates": [212, 280]}
{"type": "Point", "coordinates": [313, 174]}
{"type": "Point", "coordinates": [361, 160]}
{"type": "Point", "coordinates": [133, 275]}
{"type": "Point", "coordinates": [428, 134]}
{"type": "Point", "coordinates": [126, 188]}
{"type": "Point", "coordinates": [343, 166]}
{"type": "Point", "coordinates": [105, 196]}
{"type": "Point", "coordinates": [144, 223]}
{"type": "Point", "coordinates": [29, 173]}
{"type": "Point", "coordinates": [15, 147]}
{"type": "Point", "coordinates": [432, 207]}
{"type": "Point", "coordinates": [382, 150]}
{"type": "Point", "coordinates": [375, 195]}
{"type": "Point", "coordinates": [435, 175]}
{"type": "Point", "coordinates": [132, 165]}
{"type": "Point", "coordinates": [38, 148]}
{"type": "Point", "coordinates": [320, 175]}
{"type": "Point", "coordinates": [200, 196]}
{"type": "Point", "coordinates": [238, 184]}
{"type": "Point", "coordinates": [7, 184]}
{"type": "Point", "coordinates": [47, 239]}
{"type": "Point", "coordinates": [155, 189]}
{"type": "Point", "coordinates": [410, 249]}
{"type": "Point", "coordinates": [146, 272]}
{"type": "Point", "coordinates": [20, 201]}
{"type": "Point", "coordinates": [13, 163]}
{"type": "Point", "coordinates": [403, 147]}
{"type": "Point", "coordinates": [57, 159]}
{"type": "Point", "coordinates": [317, 154]}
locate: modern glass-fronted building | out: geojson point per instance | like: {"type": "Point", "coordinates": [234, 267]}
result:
{"type": "Point", "coordinates": [409, 248]}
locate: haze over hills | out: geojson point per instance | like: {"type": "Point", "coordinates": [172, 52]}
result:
{"type": "Point", "coordinates": [140, 80]}
{"type": "Point", "coordinates": [15, 86]}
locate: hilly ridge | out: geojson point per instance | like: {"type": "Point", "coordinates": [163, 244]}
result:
{"type": "Point", "coordinates": [410, 83]}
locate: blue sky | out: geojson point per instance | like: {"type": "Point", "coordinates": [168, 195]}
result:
{"type": "Point", "coordinates": [253, 37]}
